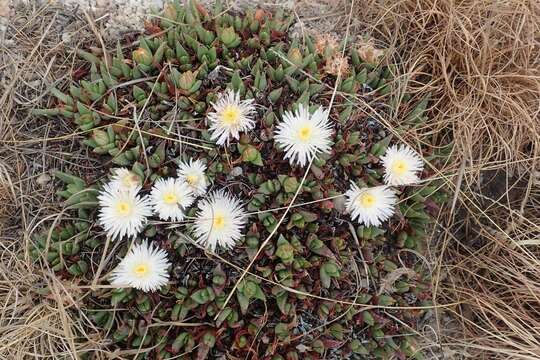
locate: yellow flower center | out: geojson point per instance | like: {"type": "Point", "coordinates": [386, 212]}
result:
{"type": "Point", "coordinates": [399, 167]}
{"type": "Point", "coordinates": [305, 132]}
{"type": "Point", "coordinates": [141, 270]}
{"type": "Point", "coordinates": [230, 115]}
{"type": "Point", "coordinates": [192, 179]}
{"type": "Point", "coordinates": [123, 208]}
{"type": "Point", "coordinates": [170, 198]}
{"type": "Point", "coordinates": [219, 222]}
{"type": "Point", "coordinates": [130, 180]}
{"type": "Point", "coordinates": [366, 200]}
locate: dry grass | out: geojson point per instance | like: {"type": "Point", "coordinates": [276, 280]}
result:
{"type": "Point", "coordinates": [39, 316]}
{"type": "Point", "coordinates": [480, 61]}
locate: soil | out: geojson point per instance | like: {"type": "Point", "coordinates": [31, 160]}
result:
{"type": "Point", "coordinates": [117, 17]}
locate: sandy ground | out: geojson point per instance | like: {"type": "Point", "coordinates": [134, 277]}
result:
{"type": "Point", "coordinates": [4, 16]}
{"type": "Point", "coordinates": [119, 16]}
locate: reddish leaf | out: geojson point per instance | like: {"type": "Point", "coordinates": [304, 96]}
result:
{"type": "Point", "coordinates": [202, 353]}
{"type": "Point", "coordinates": [202, 10]}
{"type": "Point", "coordinates": [276, 35]}
{"type": "Point", "coordinates": [333, 344]}
{"type": "Point", "coordinates": [152, 28]}
{"type": "Point", "coordinates": [260, 14]}
{"type": "Point", "coordinates": [79, 73]}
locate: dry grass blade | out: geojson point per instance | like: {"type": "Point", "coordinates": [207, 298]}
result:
{"type": "Point", "coordinates": [480, 60]}
{"type": "Point", "coordinates": [39, 315]}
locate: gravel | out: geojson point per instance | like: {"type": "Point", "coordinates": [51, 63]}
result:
{"type": "Point", "coordinates": [117, 17]}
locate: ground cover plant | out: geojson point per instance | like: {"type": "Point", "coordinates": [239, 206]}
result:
{"type": "Point", "coordinates": [476, 61]}
{"type": "Point", "coordinates": [269, 262]}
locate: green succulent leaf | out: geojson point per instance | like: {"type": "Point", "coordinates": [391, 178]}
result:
{"type": "Point", "coordinates": [203, 296]}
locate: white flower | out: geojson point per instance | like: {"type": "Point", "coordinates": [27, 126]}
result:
{"type": "Point", "coordinates": [144, 268]}
{"type": "Point", "coordinates": [125, 179]}
{"type": "Point", "coordinates": [122, 212]}
{"type": "Point", "coordinates": [371, 206]}
{"type": "Point", "coordinates": [193, 174]}
{"type": "Point", "coordinates": [230, 117]}
{"type": "Point", "coordinates": [219, 221]}
{"type": "Point", "coordinates": [304, 136]}
{"type": "Point", "coordinates": [170, 198]}
{"type": "Point", "coordinates": [401, 165]}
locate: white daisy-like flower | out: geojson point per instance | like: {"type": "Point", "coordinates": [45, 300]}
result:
{"type": "Point", "coordinates": [125, 179]}
{"type": "Point", "coordinates": [371, 206]}
{"type": "Point", "coordinates": [143, 268]}
{"type": "Point", "coordinates": [122, 212]}
{"type": "Point", "coordinates": [230, 117]}
{"type": "Point", "coordinates": [401, 165]}
{"type": "Point", "coordinates": [170, 198]}
{"type": "Point", "coordinates": [193, 173]}
{"type": "Point", "coordinates": [219, 221]}
{"type": "Point", "coordinates": [304, 135]}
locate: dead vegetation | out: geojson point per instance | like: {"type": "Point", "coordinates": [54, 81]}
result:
{"type": "Point", "coordinates": [39, 316]}
{"type": "Point", "coordinates": [479, 61]}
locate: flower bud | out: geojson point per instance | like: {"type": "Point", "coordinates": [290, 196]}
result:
{"type": "Point", "coordinates": [142, 56]}
{"type": "Point", "coordinates": [187, 79]}
{"type": "Point", "coordinates": [295, 56]}
{"type": "Point", "coordinates": [286, 253]}
{"type": "Point", "coordinates": [228, 36]}
{"type": "Point", "coordinates": [369, 53]}
{"type": "Point", "coordinates": [169, 12]}
{"type": "Point", "coordinates": [100, 137]}
{"type": "Point", "coordinates": [252, 155]}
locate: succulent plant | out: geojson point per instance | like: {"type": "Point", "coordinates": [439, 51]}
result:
{"type": "Point", "coordinates": [303, 298]}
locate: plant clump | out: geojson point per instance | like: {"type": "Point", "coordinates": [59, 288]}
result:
{"type": "Point", "coordinates": [265, 258]}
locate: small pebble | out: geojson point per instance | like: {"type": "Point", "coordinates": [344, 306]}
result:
{"type": "Point", "coordinates": [236, 171]}
{"type": "Point", "coordinates": [66, 38]}
{"type": "Point", "coordinates": [43, 179]}
{"type": "Point", "coordinates": [339, 204]}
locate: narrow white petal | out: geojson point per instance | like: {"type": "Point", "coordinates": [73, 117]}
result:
{"type": "Point", "coordinates": [171, 198]}
{"type": "Point", "coordinates": [122, 212]}
{"type": "Point", "coordinates": [124, 179]}
{"type": "Point", "coordinates": [144, 267]}
{"type": "Point", "coordinates": [402, 166]}
{"type": "Point", "coordinates": [304, 136]}
{"type": "Point", "coordinates": [193, 173]}
{"type": "Point", "coordinates": [370, 206]}
{"type": "Point", "coordinates": [230, 117]}
{"type": "Point", "coordinates": [219, 221]}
